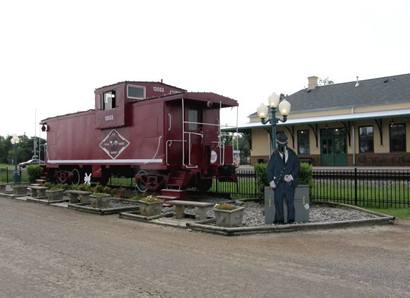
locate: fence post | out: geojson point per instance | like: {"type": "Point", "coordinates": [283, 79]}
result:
{"type": "Point", "coordinates": [7, 175]}
{"type": "Point", "coordinates": [355, 186]}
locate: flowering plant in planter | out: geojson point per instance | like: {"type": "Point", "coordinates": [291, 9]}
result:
{"type": "Point", "coordinates": [150, 206]}
{"type": "Point", "coordinates": [150, 200]}
{"type": "Point", "coordinates": [225, 206]}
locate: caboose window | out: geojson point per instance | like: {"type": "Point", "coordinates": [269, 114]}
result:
{"type": "Point", "coordinates": [193, 116]}
{"type": "Point", "coordinates": [109, 100]}
{"type": "Point", "coordinates": [136, 92]}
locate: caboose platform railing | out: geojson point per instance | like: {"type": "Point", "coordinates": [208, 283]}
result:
{"type": "Point", "coordinates": [190, 133]}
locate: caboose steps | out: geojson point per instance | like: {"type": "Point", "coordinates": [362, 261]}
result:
{"type": "Point", "coordinates": [166, 198]}
{"type": "Point", "coordinates": [177, 194]}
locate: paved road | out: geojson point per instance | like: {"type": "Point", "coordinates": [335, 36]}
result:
{"type": "Point", "coordinates": [48, 251]}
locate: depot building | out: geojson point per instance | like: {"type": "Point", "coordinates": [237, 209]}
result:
{"type": "Point", "coordinates": [358, 123]}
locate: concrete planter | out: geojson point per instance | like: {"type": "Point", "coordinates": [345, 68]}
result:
{"type": "Point", "coordinates": [229, 218]}
{"type": "Point", "coordinates": [302, 205]}
{"type": "Point", "coordinates": [20, 190]}
{"type": "Point", "coordinates": [54, 194]}
{"type": "Point", "coordinates": [150, 209]}
{"type": "Point", "coordinates": [100, 200]}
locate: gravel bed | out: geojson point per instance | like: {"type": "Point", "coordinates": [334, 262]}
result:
{"type": "Point", "coordinates": [253, 214]}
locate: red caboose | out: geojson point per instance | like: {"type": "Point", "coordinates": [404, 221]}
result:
{"type": "Point", "coordinates": [162, 135]}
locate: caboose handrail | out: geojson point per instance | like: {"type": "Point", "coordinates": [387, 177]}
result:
{"type": "Point", "coordinates": [189, 147]}
{"type": "Point", "coordinates": [203, 123]}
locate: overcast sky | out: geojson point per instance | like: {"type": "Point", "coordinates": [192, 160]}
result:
{"type": "Point", "coordinates": [53, 54]}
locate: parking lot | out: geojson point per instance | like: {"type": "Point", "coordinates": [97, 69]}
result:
{"type": "Point", "coordinates": [48, 251]}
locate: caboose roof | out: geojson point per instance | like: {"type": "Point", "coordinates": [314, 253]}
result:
{"type": "Point", "coordinates": [201, 96]}
{"type": "Point", "coordinates": [140, 82]}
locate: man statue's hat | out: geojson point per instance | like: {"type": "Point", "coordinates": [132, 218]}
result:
{"type": "Point", "coordinates": [281, 138]}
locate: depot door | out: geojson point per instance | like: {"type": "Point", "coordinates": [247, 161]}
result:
{"type": "Point", "coordinates": [333, 149]}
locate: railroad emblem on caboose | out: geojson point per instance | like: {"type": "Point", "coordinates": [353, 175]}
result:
{"type": "Point", "coordinates": [114, 144]}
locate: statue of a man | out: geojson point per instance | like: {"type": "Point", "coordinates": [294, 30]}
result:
{"type": "Point", "coordinates": [282, 173]}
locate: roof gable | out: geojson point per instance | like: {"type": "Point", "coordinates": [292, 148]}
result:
{"type": "Point", "coordinates": [379, 91]}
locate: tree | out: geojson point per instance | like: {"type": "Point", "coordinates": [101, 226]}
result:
{"type": "Point", "coordinates": [24, 149]}
{"type": "Point", "coordinates": [326, 81]}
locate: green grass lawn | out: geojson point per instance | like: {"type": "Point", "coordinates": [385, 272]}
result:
{"type": "Point", "coordinates": [401, 213]}
{"type": "Point", "coordinates": [391, 195]}
{"type": "Point", "coordinates": [7, 172]}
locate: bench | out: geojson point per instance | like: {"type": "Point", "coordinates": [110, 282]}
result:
{"type": "Point", "coordinates": [201, 210]}
{"type": "Point", "coordinates": [38, 191]}
{"type": "Point", "coordinates": [41, 181]}
{"type": "Point", "coordinates": [77, 196]}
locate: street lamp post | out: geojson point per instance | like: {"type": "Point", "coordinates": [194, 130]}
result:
{"type": "Point", "coordinates": [267, 114]}
{"type": "Point", "coordinates": [15, 140]}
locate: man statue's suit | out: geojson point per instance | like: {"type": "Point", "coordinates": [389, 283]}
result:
{"type": "Point", "coordinates": [282, 173]}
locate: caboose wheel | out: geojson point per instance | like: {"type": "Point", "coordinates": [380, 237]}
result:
{"type": "Point", "coordinates": [146, 181]}
{"type": "Point", "coordinates": [62, 176]}
{"type": "Point", "coordinates": [204, 184]}
{"type": "Point", "coordinates": [140, 180]}
{"type": "Point", "coordinates": [75, 177]}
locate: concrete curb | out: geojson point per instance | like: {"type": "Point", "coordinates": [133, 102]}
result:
{"type": "Point", "coordinates": [288, 228]}
{"type": "Point", "coordinates": [138, 217]}
{"type": "Point", "coordinates": [100, 211]}
{"type": "Point", "coordinates": [204, 225]}
{"type": "Point", "coordinates": [11, 196]}
{"type": "Point", "coordinates": [44, 201]}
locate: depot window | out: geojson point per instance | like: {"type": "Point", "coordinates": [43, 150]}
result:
{"type": "Point", "coordinates": [109, 100]}
{"type": "Point", "coordinates": [366, 143]}
{"type": "Point", "coordinates": [303, 142]}
{"type": "Point", "coordinates": [136, 92]}
{"type": "Point", "coordinates": [397, 138]}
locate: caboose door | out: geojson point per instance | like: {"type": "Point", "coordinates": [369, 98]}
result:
{"type": "Point", "coordinates": [173, 133]}
{"type": "Point", "coordinates": [193, 135]}
{"type": "Point", "coordinates": [183, 142]}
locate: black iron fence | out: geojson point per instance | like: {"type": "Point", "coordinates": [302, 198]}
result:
{"type": "Point", "coordinates": [246, 186]}
{"type": "Point", "coordinates": [379, 188]}
{"type": "Point", "coordinates": [362, 187]}
{"type": "Point", "coordinates": [7, 175]}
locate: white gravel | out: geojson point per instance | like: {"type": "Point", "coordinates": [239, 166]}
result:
{"type": "Point", "coordinates": [253, 214]}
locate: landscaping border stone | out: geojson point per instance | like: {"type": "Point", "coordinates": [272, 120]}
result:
{"type": "Point", "coordinates": [46, 201]}
{"type": "Point", "coordinates": [235, 231]}
{"type": "Point", "coordinates": [84, 207]}
{"type": "Point", "coordinates": [135, 215]}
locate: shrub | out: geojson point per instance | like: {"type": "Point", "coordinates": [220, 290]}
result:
{"type": "Point", "coordinates": [84, 187]}
{"type": "Point", "coordinates": [305, 175]}
{"type": "Point", "coordinates": [34, 172]}
{"type": "Point", "coordinates": [261, 177]}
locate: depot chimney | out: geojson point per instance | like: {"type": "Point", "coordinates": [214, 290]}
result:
{"type": "Point", "coordinates": [312, 82]}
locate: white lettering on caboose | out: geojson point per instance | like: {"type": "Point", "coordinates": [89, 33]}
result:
{"type": "Point", "coordinates": [158, 89]}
